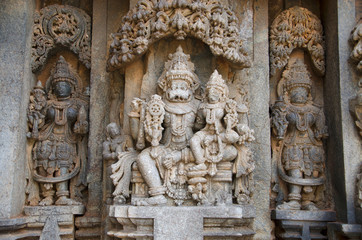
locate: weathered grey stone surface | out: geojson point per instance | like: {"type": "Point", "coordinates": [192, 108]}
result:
{"type": "Point", "coordinates": [344, 150]}
{"type": "Point", "coordinates": [15, 81]}
{"type": "Point", "coordinates": [338, 231]}
{"type": "Point", "coordinates": [259, 120]}
{"type": "Point", "coordinates": [179, 223]}
{"type": "Point", "coordinates": [299, 224]}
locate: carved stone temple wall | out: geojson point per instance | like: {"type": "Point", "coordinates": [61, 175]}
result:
{"type": "Point", "coordinates": [180, 119]}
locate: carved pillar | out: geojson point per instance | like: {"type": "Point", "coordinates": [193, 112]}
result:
{"type": "Point", "coordinates": [15, 80]}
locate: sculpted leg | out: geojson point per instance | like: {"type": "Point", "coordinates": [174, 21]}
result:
{"type": "Point", "coordinates": [294, 196]}
{"type": "Point", "coordinates": [46, 190]}
{"type": "Point", "coordinates": [198, 152]}
{"type": "Point", "coordinates": [151, 175]}
{"type": "Point", "coordinates": [63, 191]}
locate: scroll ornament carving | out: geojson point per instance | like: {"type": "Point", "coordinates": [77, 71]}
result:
{"type": "Point", "coordinates": [60, 25]}
{"type": "Point", "coordinates": [295, 28]}
{"type": "Point", "coordinates": [150, 21]}
{"type": "Point", "coordinates": [57, 119]}
{"type": "Point", "coordinates": [299, 126]}
{"type": "Point", "coordinates": [172, 165]}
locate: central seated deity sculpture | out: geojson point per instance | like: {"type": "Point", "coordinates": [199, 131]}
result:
{"type": "Point", "coordinates": [187, 151]}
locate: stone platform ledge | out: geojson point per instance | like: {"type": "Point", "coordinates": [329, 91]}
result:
{"type": "Point", "coordinates": [183, 222]}
{"type": "Point", "coordinates": [338, 231]}
{"type": "Point", "coordinates": [302, 224]}
{"type": "Point", "coordinates": [225, 211]}
{"type": "Point", "coordinates": [56, 210]}
{"type": "Point", "coordinates": [303, 215]}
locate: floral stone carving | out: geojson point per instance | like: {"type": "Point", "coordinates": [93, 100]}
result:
{"type": "Point", "coordinates": [299, 126]}
{"type": "Point", "coordinates": [57, 118]}
{"type": "Point", "coordinates": [186, 151]}
{"type": "Point", "coordinates": [61, 25]}
{"type": "Point", "coordinates": [295, 28]}
{"type": "Point", "coordinates": [150, 21]}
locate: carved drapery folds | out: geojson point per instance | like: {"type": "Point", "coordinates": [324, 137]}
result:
{"type": "Point", "coordinates": [295, 28]}
{"type": "Point", "coordinates": [62, 25]}
{"type": "Point", "coordinates": [148, 22]}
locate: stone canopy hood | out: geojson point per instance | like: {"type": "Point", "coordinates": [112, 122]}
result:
{"type": "Point", "coordinates": [150, 21]}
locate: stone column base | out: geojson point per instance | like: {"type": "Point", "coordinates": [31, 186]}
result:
{"type": "Point", "coordinates": [338, 231]}
{"type": "Point", "coordinates": [299, 224]}
{"type": "Point", "coordinates": [50, 222]}
{"type": "Point", "coordinates": [185, 222]}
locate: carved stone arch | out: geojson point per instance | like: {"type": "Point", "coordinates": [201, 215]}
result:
{"type": "Point", "coordinates": [150, 21]}
{"type": "Point", "coordinates": [61, 25]}
{"type": "Point", "coordinates": [294, 28]}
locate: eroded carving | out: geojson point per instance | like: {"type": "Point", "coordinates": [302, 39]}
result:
{"type": "Point", "coordinates": [295, 28]}
{"type": "Point", "coordinates": [60, 25]}
{"type": "Point", "coordinates": [299, 126]}
{"type": "Point", "coordinates": [57, 119]}
{"type": "Point", "coordinates": [149, 21]}
{"type": "Point", "coordinates": [356, 38]}
{"type": "Point", "coordinates": [173, 163]}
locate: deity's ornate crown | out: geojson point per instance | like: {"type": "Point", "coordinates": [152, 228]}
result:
{"type": "Point", "coordinates": [179, 67]}
{"type": "Point", "coordinates": [216, 81]}
{"type": "Point", "coordinates": [61, 72]}
{"type": "Point", "coordinates": [297, 75]}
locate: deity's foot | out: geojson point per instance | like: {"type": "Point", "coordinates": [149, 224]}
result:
{"type": "Point", "coordinates": [198, 167]}
{"type": "Point", "coordinates": [156, 200]}
{"type": "Point", "coordinates": [291, 205]}
{"type": "Point", "coordinates": [47, 201]}
{"type": "Point", "coordinates": [310, 207]}
{"type": "Point", "coordinates": [63, 200]}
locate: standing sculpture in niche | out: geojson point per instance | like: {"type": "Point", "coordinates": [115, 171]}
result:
{"type": "Point", "coordinates": [299, 125]}
{"type": "Point", "coordinates": [58, 121]}
{"type": "Point", "coordinates": [173, 163]}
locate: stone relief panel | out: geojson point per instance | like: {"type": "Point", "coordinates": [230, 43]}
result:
{"type": "Point", "coordinates": [57, 137]}
{"type": "Point", "coordinates": [148, 22]}
{"type": "Point", "coordinates": [298, 124]}
{"type": "Point", "coordinates": [185, 149]}
{"type": "Point", "coordinates": [294, 28]}
{"type": "Point", "coordinates": [60, 25]}
{"type": "Point", "coordinates": [356, 103]}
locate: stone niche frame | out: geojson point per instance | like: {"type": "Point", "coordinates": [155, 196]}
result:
{"type": "Point", "coordinates": [139, 50]}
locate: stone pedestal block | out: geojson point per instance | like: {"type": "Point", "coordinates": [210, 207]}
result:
{"type": "Point", "coordinates": [299, 224]}
{"type": "Point", "coordinates": [344, 231]}
{"type": "Point", "coordinates": [51, 222]}
{"type": "Point", "coordinates": [189, 222]}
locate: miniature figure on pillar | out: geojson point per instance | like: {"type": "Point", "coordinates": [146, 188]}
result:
{"type": "Point", "coordinates": [299, 126]}
{"type": "Point", "coordinates": [58, 122]}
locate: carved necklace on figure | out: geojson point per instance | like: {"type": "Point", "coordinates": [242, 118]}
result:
{"type": "Point", "coordinates": [61, 109]}
{"type": "Point", "coordinates": [302, 121]}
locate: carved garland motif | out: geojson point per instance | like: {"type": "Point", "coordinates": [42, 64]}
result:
{"type": "Point", "coordinates": [295, 28]}
{"type": "Point", "coordinates": [149, 22]}
{"type": "Point", "coordinates": [61, 25]}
